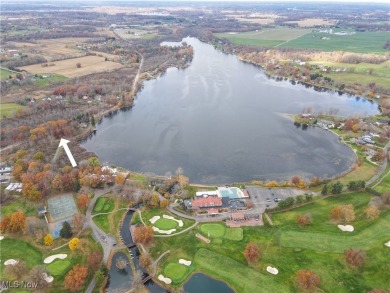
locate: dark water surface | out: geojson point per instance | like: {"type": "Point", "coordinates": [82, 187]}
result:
{"type": "Point", "coordinates": [202, 283]}
{"type": "Point", "coordinates": [219, 120]}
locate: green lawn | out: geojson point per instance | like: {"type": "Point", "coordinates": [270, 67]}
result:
{"type": "Point", "coordinates": [17, 249]}
{"type": "Point", "coordinates": [385, 183]}
{"type": "Point", "coordinates": [241, 277]}
{"type": "Point", "coordinates": [102, 222]}
{"type": "Point", "coordinates": [148, 213]}
{"type": "Point", "coordinates": [20, 204]}
{"type": "Point", "coordinates": [213, 230]}
{"type": "Point", "coordinates": [58, 267]}
{"type": "Point", "coordinates": [8, 109]}
{"type": "Point", "coordinates": [165, 224]}
{"type": "Point", "coordinates": [218, 230]}
{"type": "Point", "coordinates": [4, 73]}
{"type": "Point", "coordinates": [104, 205]}
{"type": "Point", "coordinates": [51, 78]}
{"type": "Point", "coordinates": [177, 272]}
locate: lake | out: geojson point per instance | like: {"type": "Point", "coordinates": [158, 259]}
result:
{"type": "Point", "coordinates": [220, 121]}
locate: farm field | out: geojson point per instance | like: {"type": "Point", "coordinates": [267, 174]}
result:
{"type": "Point", "coordinates": [267, 37]}
{"type": "Point", "coordinates": [68, 68]}
{"type": "Point", "coordinates": [135, 34]}
{"type": "Point", "coordinates": [52, 48]}
{"type": "Point", "coordinates": [8, 109]}
{"type": "Point", "coordinates": [360, 42]}
{"type": "Point", "coordinates": [291, 248]}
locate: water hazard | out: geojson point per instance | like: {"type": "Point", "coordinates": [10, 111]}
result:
{"type": "Point", "coordinates": [219, 120]}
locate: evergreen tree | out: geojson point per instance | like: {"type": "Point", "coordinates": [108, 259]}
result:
{"type": "Point", "coordinates": [66, 231]}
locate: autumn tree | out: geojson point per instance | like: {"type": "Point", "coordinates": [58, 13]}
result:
{"type": "Point", "coordinates": [143, 234]}
{"type": "Point", "coordinates": [14, 223]}
{"type": "Point", "coordinates": [164, 203]}
{"type": "Point", "coordinates": [304, 220]}
{"type": "Point", "coordinates": [354, 257]}
{"type": "Point", "coordinates": [307, 280]}
{"type": "Point", "coordinates": [154, 200]}
{"type": "Point", "coordinates": [17, 270]}
{"type": "Point", "coordinates": [94, 260]}
{"type": "Point", "coordinates": [295, 180]}
{"type": "Point", "coordinates": [48, 240]}
{"type": "Point", "coordinates": [252, 252]}
{"type": "Point", "coordinates": [372, 212]}
{"type": "Point", "coordinates": [77, 223]}
{"type": "Point", "coordinates": [75, 279]}
{"type": "Point", "coordinates": [344, 212]}
{"type": "Point", "coordinates": [136, 283]}
{"type": "Point", "coordinates": [145, 260]}
{"type": "Point", "coordinates": [83, 201]}
{"type": "Point", "coordinates": [74, 243]}
{"type": "Point", "coordinates": [37, 277]}
{"type": "Point", "coordinates": [66, 230]}
{"type": "Point", "coordinates": [120, 179]}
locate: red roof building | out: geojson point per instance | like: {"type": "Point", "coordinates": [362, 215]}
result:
{"type": "Point", "coordinates": [207, 202]}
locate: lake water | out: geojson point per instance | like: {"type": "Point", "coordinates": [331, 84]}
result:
{"type": "Point", "coordinates": [202, 283]}
{"type": "Point", "coordinates": [219, 120]}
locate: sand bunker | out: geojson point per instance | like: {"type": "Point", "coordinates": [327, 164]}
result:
{"type": "Point", "coordinates": [387, 244]}
{"type": "Point", "coordinates": [11, 262]}
{"type": "Point", "coordinates": [154, 219]}
{"type": "Point", "coordinates": [346, 228]}
{"type": "Point", "coordinates": [272, 270]}
{"type": "Point", "coordinates": [180, 222]}
{"type": "Point", "coordinates": [51, 258]}
{"type": "Point", "coordinates": [47, 278]}
{"type": "Point", "coordinates": [185, 262]}
{"type": "Point", "coordinates": [165, 280]}
{"type": "Point", "coordinates": [1, 237]}
{"type": "Point", "coordinates": [155, 229]}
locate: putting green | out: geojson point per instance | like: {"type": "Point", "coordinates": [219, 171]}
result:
{"type": "Point", "coordinates": [165, 224]}
{"type": "Point", "coordinates": [58, 267]}
{"type": "Point", "coordinates": [176, 272]}
{"type": "Point", "coordinates": [215, 230]}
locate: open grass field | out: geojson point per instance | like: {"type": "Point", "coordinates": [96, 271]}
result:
{"type": "Point", "coordinates": [384, 185]}
{"type": "Point", "coordinates": [68, 68]}
{"type": "Point", "coordinates": [20, 204]}
{"type": "Point", "coordinates": [318, 247]}
{"type": "Point", "coordinates": [104, 205]}
{"type": "Point", "coordinates": [4, 73]}
{"type": "Point", "coordinates": [8, 109]}
{"type": "Point", "coordinates": [177, 272]}
{"type": "Point", "coordinates": [58, 267]}
{"type": "Point", "coordinates": [136, 34]}
{"type": "Point", "coordinates": [17, 249]}
{"type": "Point", "coordinates": [42, 80]}
{"type": "Point", "coordinates": [267, 38]}
{"type": "Point", "coordinates": [360, 42]}
{"type": "Point", "coordinates": [166, 224]}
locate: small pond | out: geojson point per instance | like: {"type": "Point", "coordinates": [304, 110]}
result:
{"type": "Point", "coordinates": [119, 279]}
{"type": "Point", "coordinates": [202, 283]}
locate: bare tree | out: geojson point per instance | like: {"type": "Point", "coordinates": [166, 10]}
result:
{"type": "Point", "coordinates": [37, 276]}
{"type": "Point", "coordinates": [137, 284]}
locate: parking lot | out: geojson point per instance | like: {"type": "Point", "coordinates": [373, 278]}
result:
{"type": "Point", "coordinates": [268, 197]}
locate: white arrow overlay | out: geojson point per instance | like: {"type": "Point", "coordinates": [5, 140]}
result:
{"type": "Point", "coordinates": [64, 144]}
